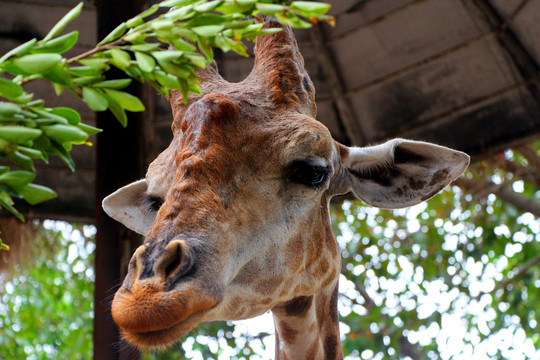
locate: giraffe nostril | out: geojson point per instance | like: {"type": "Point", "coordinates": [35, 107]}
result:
{"type": "Point", "coordinates": [173, 260]}
{"type": "Point", "coordinates": [136, 264]}
{"type": "Point", "coordinates": [176, 261]}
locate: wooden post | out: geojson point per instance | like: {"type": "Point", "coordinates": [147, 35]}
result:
{"type": "Point", "coordinates": [120, 160]}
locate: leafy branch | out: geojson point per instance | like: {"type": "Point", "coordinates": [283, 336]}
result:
{"type": "Point", "coordinates": [29, 130]}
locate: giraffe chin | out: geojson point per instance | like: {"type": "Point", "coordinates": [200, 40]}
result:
{"type": "Point", "coordinates": [149, 317]}
{"type": "Point", "coordinates": [161, 339]}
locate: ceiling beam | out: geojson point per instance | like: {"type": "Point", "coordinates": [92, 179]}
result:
{"type": "Point", "coordinates": [524, 62]}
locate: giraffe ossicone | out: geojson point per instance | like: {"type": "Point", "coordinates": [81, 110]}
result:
{"type": "Point", "coordinates": [235, 210]}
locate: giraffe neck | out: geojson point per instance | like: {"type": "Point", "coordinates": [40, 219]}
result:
{"type": "Point", "coordinates": [307, 327]}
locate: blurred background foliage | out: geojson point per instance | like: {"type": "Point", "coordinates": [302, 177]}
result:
{"type": "Point", "coordinates": [452, 278]}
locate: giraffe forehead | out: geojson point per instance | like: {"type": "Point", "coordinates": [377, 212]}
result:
{"type": "Point", "coordinates": [220, 133]}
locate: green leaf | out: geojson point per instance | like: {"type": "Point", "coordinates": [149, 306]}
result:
{"type": "Point", "coordinates": [59, 75]}
{"type": "Point", "coordinates": [269, 9]}
{"type": "Point", "coordinates": [197, 60]}
{"type": "Point", "coordinates": [145, 61]}
{"type": "Point", "coordinates": [175, 3]}
{"type": "Point", "coordinates": [63, 154]}
{"type": "Point", "coordinates": [125, 100]}
{"type": "Point", "coordinates": [114, 84]}
{"type": "Point", "coordinates": [7, 203]}
{"type": "Point", "coordinates": [90, 130]}
{"type": "Point", "coordinates": [34, 194]}
{"type": "Point", "coordinates": [115, 34]}
{"type": "Point", "coordinates": [167, 80]}
{"type": "Point", "coordinates": [144, 47]}
{"type": "Point", "coordinates": [167, 55]}
{"type": "Point", "coordinates": [185, 90]}
{"type": "Point", "coordinates": [310, 8]}
{"type": "Point", "coordinates": [72, 116]}
{"type": "Point", "coordinates": [18, 134]}
{"type": "Point", "coordinates": [162, 25]}
{"type": "Point", "coordinates": [185, 33]}
{"type": "Point", "coordinates": [17, 179]}
{"type": "Point", "coordinates": [292, 20]}
{"type": "Point", "coordinates": [20, 50]}
{"type": "Point", "coordinates": [182, 45]}
{"type": "Point", "coordinates": [58, 89]}
{"type": "Point", "coordinates": [85, 71]}
{"type": "Point", "coordinates": [269, 31]}
{"type": "Point", "coordinates": [117, 111]}
{"type": "Point", "coordinates": [23, 99]}
{"type": "Point", "coordinates": [120, 58]}
{"type": "Point", "coordinates": [95, 99]}
{"type": "Point", "coordinates": [59, 45]}
{"type": "Point", "coordinates": [205, 20]}
{"type": "Point", "coordinates": [36, 103]}
{"type": "Point", "coordinates": [237, 46]}
{"type": "Point", "coordinates": [22, 161]}
{"type": "Point", "coordinates": [7, 147]}
{"type": "Point", "coordinates": [205, 47]}
{"type": "Point", "coordinates": [165, 60]}
{"type": "Point", "coordinates": [8, 109]}
{"type": "Point", "coordinates": [57, 29]}
{"type": "Point", "coordinates": [252, 30]}
{"type": "Point", "coordinates": [97, 64]}
{"type": "Point", "coordinates": [4, 169]}
{"type": "Point", "coordinates": [208, 30]}
{"type": "Point", "coordinates": [87, 81]}
{"type": "Point", "coordinates": [50, 115]}
{"type": "Point", "coordinates": [65, 133]}
{"type": "Point", "coordinates": [134, 22]}
{"type": "Point", "coordinates": [237, 6]}
{"type": "Point", "coordinates": [207, 6]}
{"type": "Point", "coordinates": [9, 89]}
{"type": "Point", "coordinates": [38, 63]}
{"type": "Point", "coordinates": [150, 11]}
{"type": "Point", "coordinates": [240, 24]}
{"type": "Point", "coordinates": [31, 153]}
{"type": "Point", "coordinates": [136, 37]}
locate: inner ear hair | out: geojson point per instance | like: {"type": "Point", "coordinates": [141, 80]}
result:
{"type": "Point", "coordinates": [381, 174]}
{"type": "Point", "coordinates": [380, 168]}
{"type": "Point", "coordinates": [402, 156]}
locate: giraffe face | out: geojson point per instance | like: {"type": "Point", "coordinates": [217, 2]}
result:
{"type": "Point", "coordinates": [235, 210]}
{"type": "Point", "coordinates": [240, 221]}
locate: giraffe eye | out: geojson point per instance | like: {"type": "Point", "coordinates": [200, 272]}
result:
{"type": "Point", "coordinates": [151, 203]}
{"type": "Point", "coordinates": [302, 172]}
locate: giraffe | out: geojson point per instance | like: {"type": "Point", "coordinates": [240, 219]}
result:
{"type": "Point", "coordinates": [235, 210]}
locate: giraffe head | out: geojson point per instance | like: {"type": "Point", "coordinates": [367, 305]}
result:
{"type": "Point", "coordinates": [235, 210]}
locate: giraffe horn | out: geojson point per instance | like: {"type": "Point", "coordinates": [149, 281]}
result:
{"type": "Point", "coordinates": [210, 81]}
{"type": "Point", "coordinates": [280, 67]}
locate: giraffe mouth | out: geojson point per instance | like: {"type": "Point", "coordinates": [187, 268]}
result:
{"type": "Point", "coordinates": [151, 318]}
{"type": "Point", "coordinates": [162, 338]}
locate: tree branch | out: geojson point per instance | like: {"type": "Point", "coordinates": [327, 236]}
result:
{"type": "Point", "coordinates": [503, 284]}
{"type": "Point", "coordinates": [528, 152]}
{"type": "Point", "coordinates": [503, 191]}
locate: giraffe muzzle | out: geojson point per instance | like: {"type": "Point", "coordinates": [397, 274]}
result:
{"type": "Point", "coordinates": [159, 301]}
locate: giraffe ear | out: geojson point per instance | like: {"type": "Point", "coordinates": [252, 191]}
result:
{"type": "Point", "coordinates": [124, 205]}
{"type": "Point", "coordinates": [401, 173]}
